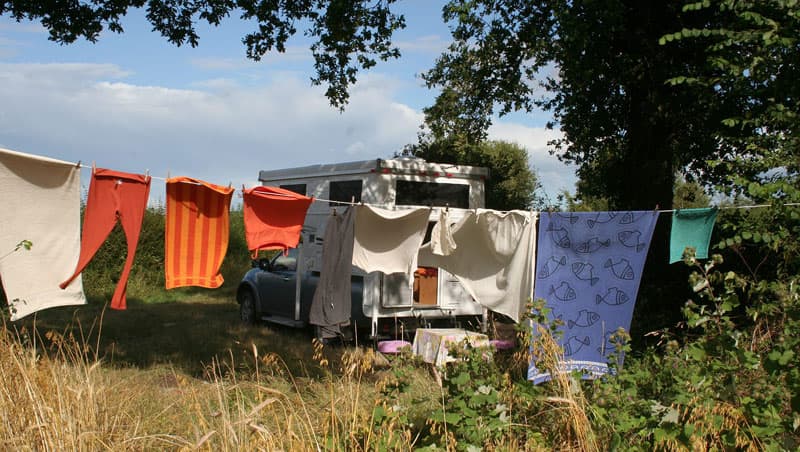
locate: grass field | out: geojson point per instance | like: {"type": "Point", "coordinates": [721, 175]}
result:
{"type": "Point", "coordinates": [187, 335]}
{"type": "Point", "coordinates": [183, 375]}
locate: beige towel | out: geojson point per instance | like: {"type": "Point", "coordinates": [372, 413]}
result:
{"type": "Point", "coordinates": [41, 203]}
{"type": "Point", "coordinates": [493, 258]}
{"type": "Point", "coordinates": [388, 240]}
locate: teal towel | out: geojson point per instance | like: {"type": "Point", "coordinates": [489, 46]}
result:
{"type": "Point", "coordinates": [691, 227]}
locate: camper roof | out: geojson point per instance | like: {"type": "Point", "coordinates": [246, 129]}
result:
{"type": "Point", "coordinates": [413, 166]}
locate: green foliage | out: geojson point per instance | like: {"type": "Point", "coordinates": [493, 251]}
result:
{"type": "Point", "coordinates": [750, 48]}
{"type": "Point", "coordinates": [474, 409]}
{"type": "Point", "coordinates": [22, 245]}
{"type": "Point", "coordinates": [392, 421]}
{"type": "Point", "coordinates": [581, 203]}
{"type": "Point", "coordinates": [349, 36]}
{"type": "Point", "coordinates": [688, 195]}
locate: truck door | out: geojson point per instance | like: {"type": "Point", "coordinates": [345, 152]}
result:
{"type": "Point", "coordinates": [277, 285]}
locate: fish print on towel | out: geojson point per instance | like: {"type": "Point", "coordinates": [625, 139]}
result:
{"type": "Point", "coordinates": [592, 245]}
{"type": "Point", "coordinates": [631, 239]}
{"type": "Point", "coordinates": [591, 287]}
{"type": "Point", "coordinates": [621, 269]}
{"type": "Point", "coordinates": [585, 272]}
{"type": "Point", "coordinates": [585, 319]}
{"type": "Point", "coordinates": [551, 266]}
{"type": "Point", "coordinates": [569, 216]}
{"type": "Point", "coordinates": [560, 237]}
{"type": "Point", "coordinates": [601, 218]}
{"type": "Point", "coordinates": [606, 346]}
{"type": "Point", "coordinates": [563, 292]}
{"type": "Point", "coordinates": [612, 297]}
{"type": "Point", "coordinates": [575, 344]}
{"type": "Point", "coordinates": [628, 218]}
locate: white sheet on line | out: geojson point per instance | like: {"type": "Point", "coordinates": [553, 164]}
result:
{"type": "Point", "coordinates": [41, 203]}
{"type": "Point", "coordinates": [493, 258]}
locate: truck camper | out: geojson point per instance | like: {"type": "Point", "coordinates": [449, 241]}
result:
{"type": "Point", "coordinates": [281, 289]}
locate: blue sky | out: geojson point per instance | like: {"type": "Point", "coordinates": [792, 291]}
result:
{"type": "Point", "coordinates": [134, 102]}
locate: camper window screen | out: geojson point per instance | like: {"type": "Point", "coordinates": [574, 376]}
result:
{"type": "Point", "coordinates": [300, 189]}
{"type": "Point", "coordinates": [345, 191]}
{"type": "Point", "coordinates": [412, 193]}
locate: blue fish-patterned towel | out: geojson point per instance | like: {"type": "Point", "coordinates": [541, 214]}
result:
{"type": "Point", "coordinates": [589, 265]}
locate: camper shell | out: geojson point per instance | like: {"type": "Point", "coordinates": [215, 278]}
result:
{"type": "Point", "coordinates": [282, 289]}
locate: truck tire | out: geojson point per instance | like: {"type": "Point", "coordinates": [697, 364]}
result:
{"type": "Point", "coordinates": [247, 307]}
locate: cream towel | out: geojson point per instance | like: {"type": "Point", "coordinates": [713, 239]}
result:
{"type": "Point", "coordinates": [388, 240]}
{"type": "Point", "coordinates": [493, 259]}
{"type": "Point", "coordinates": [41, 203]}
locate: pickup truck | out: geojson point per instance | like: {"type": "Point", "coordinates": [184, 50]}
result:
{"type": "Point", "coordinates": [268, 292]}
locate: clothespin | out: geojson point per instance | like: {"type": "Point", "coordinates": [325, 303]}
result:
{"type": "Point", "coordinates": [334, 211]}
{"type": "Point", "coordinates": [93, 167]}
{"type": "Point", "coordinates": [78, 165]}
{"type": "Point", "coordinates": [168, 176]}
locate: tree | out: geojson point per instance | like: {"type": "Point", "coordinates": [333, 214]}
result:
{"type": "Point", "coordinates": [627, 130]}
{"type": "Point", "coordinates": [349, 35]}
{"type": "Point", "coordinates": [751, 49]}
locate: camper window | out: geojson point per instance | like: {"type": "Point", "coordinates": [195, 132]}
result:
{"type": "Point", "coordinates": [345, 191]}
{"type": "Point", "coordinates": [413, 193]}
{"type": "Point", "coordinates": [300, 189]}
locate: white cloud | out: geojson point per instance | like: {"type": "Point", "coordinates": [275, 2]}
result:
{"type": "Point", "coordinates": [554, 175]}
{"type": "Point", "coordinates": [222, 133]}
{"type": "Point", "coordinates": [425, 44]}
{"type": "Point", "coordinates": [219, 130]}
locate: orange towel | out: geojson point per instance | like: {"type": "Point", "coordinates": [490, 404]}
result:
{"type": "Point", "coordinates": [197, 230]}
{"type": "Point", "coordinates": [273, 217]}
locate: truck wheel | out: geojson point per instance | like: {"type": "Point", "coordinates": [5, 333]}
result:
{"type": "Point", "coordinates": [247, 308]}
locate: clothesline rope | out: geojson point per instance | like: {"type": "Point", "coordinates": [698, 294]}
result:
{"type": "Point", "coordinates": [347, 203]}
{"type": "Point", "coordinates": [755, 206]}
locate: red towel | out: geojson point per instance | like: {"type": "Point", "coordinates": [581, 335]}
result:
{"type": "Point", "coordinates": [273, 217]}
{"type": "Point", "coordinates": [113, 195]}
{"type": "Point", "coordinates": [196, 233]}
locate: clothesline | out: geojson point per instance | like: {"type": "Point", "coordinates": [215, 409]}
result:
{"type": "Point", "coordinates": [754, 206]}
{"type": "Point", "coordinates": [315, 199]}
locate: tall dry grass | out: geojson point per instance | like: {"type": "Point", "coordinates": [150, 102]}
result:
{"type": "Point", "coordinates": [567, 402]}
{"type": "Point", "coordinates": [60, 401]}
{"type": "Point", "coordinates": [64, 398]}
{"type": "Point", "coordinates": [57, 394]}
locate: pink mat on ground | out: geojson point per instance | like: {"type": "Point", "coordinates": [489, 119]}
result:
{"type": "Point", "coordinates": [392, 347]}
{"type": "Point", "coordinates": [502, 344]}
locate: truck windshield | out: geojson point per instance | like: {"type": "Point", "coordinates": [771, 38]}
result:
{"type": "Point", "coordinates": [413, 193]}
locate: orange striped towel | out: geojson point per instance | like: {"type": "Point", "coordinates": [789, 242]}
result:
{"type": "Point", "coordinates": [197, 231]}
